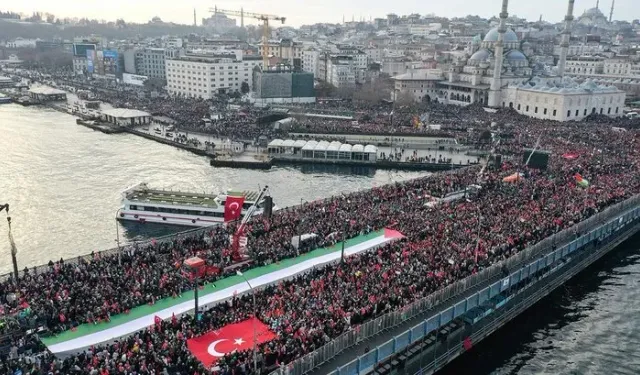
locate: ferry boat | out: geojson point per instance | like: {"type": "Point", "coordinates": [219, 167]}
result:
{"type": "Point", "coordinates": [145, 205]}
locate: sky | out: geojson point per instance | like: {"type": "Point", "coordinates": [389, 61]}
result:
{"type": "Point", "coordinates": [300, 12]}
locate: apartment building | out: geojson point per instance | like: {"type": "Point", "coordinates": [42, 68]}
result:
{"type": "Point", "coordinates": [205, 76]}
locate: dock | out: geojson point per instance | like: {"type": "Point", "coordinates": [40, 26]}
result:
{"type": "Point", "coordinates": [268, 163]}
{"type": "Point", "coordinates": [99, 126]}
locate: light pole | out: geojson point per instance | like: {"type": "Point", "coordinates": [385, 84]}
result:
{"type": "Point", "coordinates": [253, 295]}
{"type": "Point", "coordinates": [14, 251]}
{"type": "Point", "coordinates": [118, 239]}
{"type": "Point", "coordinates": [300, 230]}
{"type": "Point", "coordinates": [344, 239]}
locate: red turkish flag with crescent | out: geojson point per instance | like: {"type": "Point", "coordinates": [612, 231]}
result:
{"type": "Point", "coordinates": [233, 208]}
{"type": "Point", "coordinates": [212, 346]}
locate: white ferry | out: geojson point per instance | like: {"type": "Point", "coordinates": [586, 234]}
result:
{"type": "Point", "coordinates": [145, 205]}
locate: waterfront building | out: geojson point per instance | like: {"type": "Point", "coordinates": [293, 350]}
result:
{"type": "Point", "coordinates": [201, 76]}
{"type": "Point", "coordinates": [47, 94]}
{"type": "Point", "coordinates": [126, 117]}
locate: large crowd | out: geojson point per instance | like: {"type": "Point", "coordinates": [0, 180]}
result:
{"type": "Point", "coordinates": [442, 244]}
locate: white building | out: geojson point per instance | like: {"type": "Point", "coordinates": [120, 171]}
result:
{"type": "Point", "coordinates": [204, 77]}
{"type": "Point", "coordinates": [419, 83]}
{"type": "Point", "coordinates": [80, 64]}
{"type": "Point", "coordinates": [311, 61]}
{"type": "Point", "coordinates": [285, 49]}
{"type": "Point", "coordinates": [622, 67]}
{"type": "Point", "coordinates": [22, 43]}
{"type": "Point", "coordinates": [565, 101]}
{"type": "Point", "coordinates": [585, 65]}
{"type": "Point", "coordinates": [341, 71]}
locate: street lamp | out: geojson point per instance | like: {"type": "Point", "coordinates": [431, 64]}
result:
{"type": "Point", "coordinates": [300, 230]}
{"type": "Point", "coordinates": [344, 240]}
{"type": "Point", "coordinates": [194, 264]}
{"type": "Point", "coordinates": [14, 251]}
{"type": "Point", "coordinates": [253, 294]}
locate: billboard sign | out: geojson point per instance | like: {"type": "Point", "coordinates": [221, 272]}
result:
{"type": "Point", "coordinates": [110, 60]}
{"type": "Point", "coordinates": [133, 79]}
{"type": "Point", "coordinates": [110, 54]}
{"type": "Point", "coordinates": [91, 58]}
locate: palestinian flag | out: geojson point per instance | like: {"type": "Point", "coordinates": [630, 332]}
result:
{"type": "Point", "coordinates": [580, 181]}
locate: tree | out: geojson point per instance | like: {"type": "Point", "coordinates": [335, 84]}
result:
{"type": "Point", "coordinates": [154, 83]}
{"type": "Point", "coordinates": [244, 87]}
{"type": "Point", "coordinates": [325, 89]}
{"type": "Point", "coordinates": [373, 93]}
{"type": "Point", "coordinates": [404, 98]}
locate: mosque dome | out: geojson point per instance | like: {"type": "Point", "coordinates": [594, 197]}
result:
{"type": "Point", "coordinates": [480, 55]}
{"type": "Point", "coordinates": [509, 36]}
{"type": "Point", "coordinates": [515, 55]}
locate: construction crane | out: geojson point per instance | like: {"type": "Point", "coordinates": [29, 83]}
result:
{"type": "Point", "coordinates": [265, 18]}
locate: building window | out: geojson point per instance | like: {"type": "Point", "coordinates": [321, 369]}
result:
{"type": "Point", "coordinates": [554, 113]}
{"type": "Point", "coordinates": [578, 112]}
{"type": "Point", "coordinates": [616, 109]}
{"type": "Point", "coordinates": [609, 111]}
{"type": "Point", "coordinates": [536, 110]}
{"type": "Point", "coordinates": [527, 109]}
{"type": "Point", "coordinates": [569, 113]}
{"type": "Point", "coordinates": [545, 111]}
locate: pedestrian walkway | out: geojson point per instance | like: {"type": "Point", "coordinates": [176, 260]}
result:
{"type": "Point", "coordinates": [141, 317]}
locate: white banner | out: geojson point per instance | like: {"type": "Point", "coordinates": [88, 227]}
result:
{"type": "Point", "coordinates": [133, 79]}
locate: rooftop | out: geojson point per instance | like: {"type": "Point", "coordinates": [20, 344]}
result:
{"type": "Point", "coordinates": [46, 90]}
{"type": "Point", "coordinates": [125, 113]}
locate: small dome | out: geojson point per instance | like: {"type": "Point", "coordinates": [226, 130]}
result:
{"type": "Point", "coordinates": [515, 55]}
{"type": "Point", "coordinates": [509, 36]}
{"type": "Point", "coordinates": [481, 55]}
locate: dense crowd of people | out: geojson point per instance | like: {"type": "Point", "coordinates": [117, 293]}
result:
{"type": "Point", "coordinates": [442, 244]}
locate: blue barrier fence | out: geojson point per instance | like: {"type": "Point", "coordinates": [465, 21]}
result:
{"type": "Point", "coordinates": [600, 226]}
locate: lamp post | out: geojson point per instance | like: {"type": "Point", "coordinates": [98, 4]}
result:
{"type": "Point", "coordinates": [14, 251]}
{"type": "Point", "coordinates": [344, 240]}
{"type": "Point", "coordinates": [194, 265]}
{"type": "Point", "coordinates": [118, 239]}
{"type": "Point", "coordinates": [253, 295]}
{"type": "Point", "coordinates": [300, 230]}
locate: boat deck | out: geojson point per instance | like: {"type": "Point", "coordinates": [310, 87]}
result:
{"type": "Point", "coordinates": [186, 199]}
{"type": "Point", "coordinates": [171, 197]}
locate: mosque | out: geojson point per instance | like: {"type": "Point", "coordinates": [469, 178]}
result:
{"type": "Point", "coordinates": [498, 74]}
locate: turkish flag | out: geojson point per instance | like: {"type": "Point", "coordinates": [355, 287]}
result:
{"type": "Point", "coordinates": [233, 208]}
{"type": "Point", "coordinates": [214, 345]}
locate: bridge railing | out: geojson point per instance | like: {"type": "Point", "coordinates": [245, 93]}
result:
{"type": "Point", "coordinates": [392, 319]}
{"type": "Point", "coordinates": [128, 248]}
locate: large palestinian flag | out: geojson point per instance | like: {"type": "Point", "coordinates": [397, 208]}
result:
{"type": "Point", "coordinates": [212, 346]}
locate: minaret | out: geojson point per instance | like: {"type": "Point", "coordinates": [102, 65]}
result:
{"type": "Point", "coordinates": [194, 17]}
{"type": "Point", "coordinates": [566, 34]}
{"type": "Point", "coordinates": [597, 4]}
{"type": "Point", "coordinates": [613, 3]}
{"type": "Point", "coordinates": [242, 17]}
{"type": "Point", "coordinates": [495, 90]}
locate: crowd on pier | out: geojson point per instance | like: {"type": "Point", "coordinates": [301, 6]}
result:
{"type": "Point", "coordinates": [442, 244]}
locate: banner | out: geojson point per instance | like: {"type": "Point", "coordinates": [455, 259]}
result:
{"type": "Point", "coordinates": [212, 346]}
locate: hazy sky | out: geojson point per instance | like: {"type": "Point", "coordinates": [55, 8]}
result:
{"type": "Point", "coordinates": [300, 12]}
